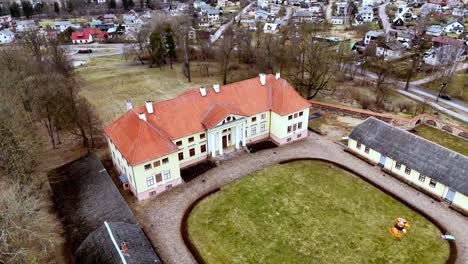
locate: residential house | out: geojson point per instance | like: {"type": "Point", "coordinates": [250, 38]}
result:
{"type": "Point", "coordinates": [371, 2]}
{"type": "Point", "coordinates": [390, 50]}
{"type": "Point", "coordinates": [5, 20]}
{"type": "Point", "coordinates": [406, 13]}
{"type": "Point", "coordinates": [108, 18]}
{"type": "Point", "coordinates": [429, 8]}
{"type": "Point", "coordinates": [213, 15]}
{"type": "Point", "coordinates": [366, 13]}
{"type": "Point", "coordinates": [454, 26]}
{"type": "Point", "coordinates": [197, 4]}
{"type": "Point", "coordinates": [6, 36]}
{"type": "Point", "coordinates": [61, 26]}
{"type": "Point", "coordinates": [262, 15]}
{"type": "Point", "coordinates": [337, 20]}
{"type": "Point", "coordinates": [372, 35]}
{"type": "Point", "coordinates": [435, 30]}
{"type": "Point", "coordinates": [398, 22]}
{"type": "Point", "coordinates": [88, 35]}
{"type": "Point", "coordinates": [436, 170]}
{"type": "Point", "coordinates": [459, 12]}
{"type": "Point", "coordinates": [405, 38]}
{"type": "Point", "coordinates": [302, 15]}
{"type": "Point", "coordinates": [342, 8]}
{"type": "Point", "coordinates": [270, 28]}
{"type": "Point", "coordinates": [149, 144]}
{"type": "Point", "coordinates": [445, 50]}
{"type": "Point", "coordinates": [262, 3]}
{"type": "Point", "coordinates": [24, 25]}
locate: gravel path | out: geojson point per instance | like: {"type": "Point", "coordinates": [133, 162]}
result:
{"type": "Point", "coordinates": [162, 215]}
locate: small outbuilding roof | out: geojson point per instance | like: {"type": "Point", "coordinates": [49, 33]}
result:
{"type": "Point", "coordinates": [439, 163]}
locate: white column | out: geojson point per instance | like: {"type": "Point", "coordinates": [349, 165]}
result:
{"type": "Point", "coordinates": [237, 137]}
{"type": "Point", "coordinates": [244, 143]}
{"type": "Point", "coordinates": [212, 144]}
{"type": "Point", "coordinates": [220, 141]}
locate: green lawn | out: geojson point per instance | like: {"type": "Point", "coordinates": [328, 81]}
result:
{"type": "Point", "coordinates": [439, 137]}
{"type": "Point", "coordinates": [456, 87]}
{"type": "Point", "coordinates": [309, 212]}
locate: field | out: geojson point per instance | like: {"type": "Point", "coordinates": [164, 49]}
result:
{"type": "Point", "coordinates": [107, 82]}
{"type": "Point", "coordinates": [452, 142]}
{"type": "Point", "coordinates": [457, 87]}
{"type": "Point", "coordinates": [309, 212]}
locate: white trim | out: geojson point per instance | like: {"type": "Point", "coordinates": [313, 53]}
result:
{"type": "Point", "coordinates": [115, 243]}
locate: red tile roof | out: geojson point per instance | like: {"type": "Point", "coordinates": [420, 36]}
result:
{"type": "Point", "coordinates": [190, 113]}
{"type": "Point", "coordinates": [448, 41]}
{"type": "Point", "coordinates": [218, 112]}
{"type": "Point", "coordinates": [94, 32]}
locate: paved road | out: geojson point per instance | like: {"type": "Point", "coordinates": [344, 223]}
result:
{"type": "Point", "coordinates": [384, 18]}
{"type": "Point", "coordinates": [99, 50]}
{"type": "Point", "coordinates": [423, 95]}
{"type": "Point", "coordinates": [162, 215]}
{"type": "Point", "coordinates": [223, 27]}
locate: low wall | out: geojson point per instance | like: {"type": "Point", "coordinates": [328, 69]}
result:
{"type": "Point", "coordinates": [405, 123]}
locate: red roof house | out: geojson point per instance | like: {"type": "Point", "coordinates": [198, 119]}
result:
{"type": "Point", "coordinates": [88, 35]}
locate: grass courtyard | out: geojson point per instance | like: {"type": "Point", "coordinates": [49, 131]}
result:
{"type": "Point", "coordinates": [444, 139]}
{"type": "Point", "coordinates": [309, 212]}
{"type": "Point", "coordinates": [456, 87]}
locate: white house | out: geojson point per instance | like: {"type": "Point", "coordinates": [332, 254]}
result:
{"type": "Point", "coordinates": [271, 28]}
{"type": "Point", "coordinates": [454, 26]}
{"type": "Point", "coordinates": [61, 26]}
{"type": "Point", "coordinates": [25, 25]}
{"type": "Point", "coordinates": [366, 13]}
{"type": "Point", "coordinates": [390, 50]}
{"type": "Point", "coordinates": [149, 144]}
{"type": "Point", "coordinates": [434, 30]}
{"type": "Point", "coordinates": [342, 8]}
{"type": "Point", "coordinates": [445, 50]}
{"type": "Point", "coordinates": [6, 36]}
{"type": "Point", "coordinates": [213, 15]}
{"type": "Point", "coordinates": [337, 20]}
{"type": "Point", "coordinates": [372, 35]}
{"type": "Point", "coordinates": [406, 12]}
{"type": "Point", "coordinates": [436, 170]}
{"type": "Point", "coordinates": [262, 15]}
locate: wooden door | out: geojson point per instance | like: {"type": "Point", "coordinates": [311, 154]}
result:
{"type": "Point", "coordinates": [224, 141]}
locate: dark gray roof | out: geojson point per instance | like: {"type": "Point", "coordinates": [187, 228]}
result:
{"type": "Point", "coordinates": [99, 248]}
{"type": "Point", "coordinates": [85, 196]}
{"type": "Point", "coordinates": [441, 164]}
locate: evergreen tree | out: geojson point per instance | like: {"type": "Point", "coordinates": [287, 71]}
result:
{"type": "Point", "coordinates": [169, 43]}
{"type": "Point", "coordinates": [157, 48]}
{"type": "Point", "coordinates": [131, 4]}
{"type": "Point", "coordinates": [125, 4]}
{"type": "Point", "coordinates": [15, 10]}
{"type": "Point", "coordinates": [70, 6]}
{"type": "Point", "coordinates": [28, 9]}
{"type": "Point", "coordinates": [56, 8]}
{"type": "Point", "coordinates": [112, 4]}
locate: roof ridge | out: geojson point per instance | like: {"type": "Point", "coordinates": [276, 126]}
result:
{"type": "Point", "coordinates": [138, 137]}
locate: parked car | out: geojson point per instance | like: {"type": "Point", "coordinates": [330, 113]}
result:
{"type": "Point", "coordinates": [85, 51]}
{"type": "Point", "coordinates": [445, 97]}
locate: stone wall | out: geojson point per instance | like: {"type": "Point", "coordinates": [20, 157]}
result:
{"type": "Point", "coordinates": [405, 123]}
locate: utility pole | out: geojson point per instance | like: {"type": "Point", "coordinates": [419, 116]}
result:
{"type": "Point", "coordinates": [442, 86]}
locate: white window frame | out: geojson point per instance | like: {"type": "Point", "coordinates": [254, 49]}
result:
{"type": "Point", "coordinates": [166, 174]}
{"type": "Point", "coordinates": [253, 130]}
{"type": "Point", "coordinates": [262, 127]}
{"type": "Point", "coordinates": [263, 116]}
{"type": "Point", "coordinates": [150, 181]}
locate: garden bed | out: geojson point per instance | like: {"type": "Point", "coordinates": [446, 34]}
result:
{"type": "Point", "coordinates": [267, 144]}
{"type": "Point", "coordinates": [196, 170]}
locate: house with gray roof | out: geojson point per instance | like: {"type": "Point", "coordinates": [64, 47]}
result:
{"type": "Point", "coordinates": [6, 36]}
{"type": "Point", "coordinates": [99, 225]}
{"type": "Point", "coordinates": [436, 170]}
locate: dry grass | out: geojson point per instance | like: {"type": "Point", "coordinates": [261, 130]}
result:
{"type": "Point", "coordinates": [107, 82]}
{"type": "Point", "coordinates": [444, 139]}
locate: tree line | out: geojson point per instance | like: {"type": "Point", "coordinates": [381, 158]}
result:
{"type": "Point", "coordinates": [39, 94]}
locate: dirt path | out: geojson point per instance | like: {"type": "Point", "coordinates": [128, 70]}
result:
{"type": "Point", "coordinates": [161, 216]}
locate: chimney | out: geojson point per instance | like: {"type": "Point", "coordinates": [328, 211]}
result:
{"type": "Point", "coordinates": [277, 76]}
{"type": "Point", "coordinates": [203, 91]}
{"type": "Point", "coordinates": [129, 105]}
{"type": "Point", "coordinates": [124, 247]}
{"type": "Point", "coordinates": [149, 107]}
{"type": "Point", "coordinates": [216, 87]}
{"type": "Point", "coordinates": [142, 116]}
{"type": "Point", "coordinates": [262, 78]}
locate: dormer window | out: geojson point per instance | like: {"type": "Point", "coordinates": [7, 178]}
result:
{"type": "Point", "coordinates": [228, 119]}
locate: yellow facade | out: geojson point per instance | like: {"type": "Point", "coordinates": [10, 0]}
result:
{"type": "Point", "coordinates": [280, 123]}
{"type": "Point", "coordinates": [412, 176]}
{"type": "Point", "coordinates": [199, 139]}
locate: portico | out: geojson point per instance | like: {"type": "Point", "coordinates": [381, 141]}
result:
{"type": "Point", "coordinates": [227, 135]}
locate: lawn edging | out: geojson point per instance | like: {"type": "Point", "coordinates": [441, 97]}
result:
{"type": "Point", "coordinates": [196, 254]}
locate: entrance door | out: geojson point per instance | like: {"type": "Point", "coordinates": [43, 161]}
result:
{"type": "Point", "coordinates": [450, 195]}
{"type": "Point", "coordinates": [382, 161]}
{"type": "Point", "coordinates": [225, 141]}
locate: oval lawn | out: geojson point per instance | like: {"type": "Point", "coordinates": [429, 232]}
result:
{"type": "Point", "coordinates": [309, 212]}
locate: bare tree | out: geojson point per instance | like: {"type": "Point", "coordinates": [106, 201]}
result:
{"type": "Point", "coordinates": [225, 52]}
